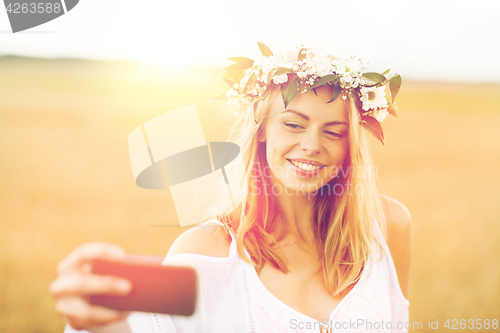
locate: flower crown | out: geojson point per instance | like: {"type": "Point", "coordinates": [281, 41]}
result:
{"type": "Point", "coordinates": [252, 81]}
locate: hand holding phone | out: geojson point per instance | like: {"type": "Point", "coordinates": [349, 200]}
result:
{"type": "Point", "coordinates": [156, 288]}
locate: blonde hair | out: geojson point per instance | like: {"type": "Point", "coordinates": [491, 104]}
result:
{"type": "Point", "coordinates": [342, 224]}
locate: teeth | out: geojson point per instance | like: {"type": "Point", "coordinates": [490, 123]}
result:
{"type": "Point", "coordinates": [306, 167]}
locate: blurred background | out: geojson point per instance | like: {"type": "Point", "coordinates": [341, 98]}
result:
{"type": "Point", "coordinates": [73, 89]}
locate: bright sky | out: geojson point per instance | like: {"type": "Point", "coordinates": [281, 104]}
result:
{"type": "Point", "coordinates": [447, 40]}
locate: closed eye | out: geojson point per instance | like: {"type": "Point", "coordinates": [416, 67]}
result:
{"type": "Point", "coordinates": [335, 134]}
{"type": "Point", "coordinates": [293, 126]}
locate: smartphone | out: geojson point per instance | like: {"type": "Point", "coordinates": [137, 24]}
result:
{"type": "Point", "coordinates": [156, 288]}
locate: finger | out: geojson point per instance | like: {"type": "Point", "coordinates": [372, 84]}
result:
{"type": "Point", "coordinates": [82, 285]}
{"type": "Point", "coordinates": [87, 252]}
{"type": "Point", "coordinates": [82, 315]}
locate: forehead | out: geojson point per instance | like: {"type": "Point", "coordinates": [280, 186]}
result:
{"type": "Point", "coordinates": [314, 106]}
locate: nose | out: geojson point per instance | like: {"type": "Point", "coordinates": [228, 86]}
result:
{"type": "Point", "coordinates": [311, 143]}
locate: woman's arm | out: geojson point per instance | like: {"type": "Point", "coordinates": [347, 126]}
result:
{"type": "Point", "coordinates": [399, 239]}
{"type": "Point", "coordinates": [74, 281]}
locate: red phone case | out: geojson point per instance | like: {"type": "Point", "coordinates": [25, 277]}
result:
{"type": "Point", "coordinates": [156, 288]}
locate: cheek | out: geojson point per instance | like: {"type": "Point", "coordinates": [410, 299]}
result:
{"type": "Point", "coordinates": [274, 151]}
{"type": "Point", "coordinates": [338, 151]}
{"type": "Point", "coordinates": [343, 155]}
{"type": "Point", "coordinates": [277, 142]}
{"type": "Point", "coordinates": [338, 156]}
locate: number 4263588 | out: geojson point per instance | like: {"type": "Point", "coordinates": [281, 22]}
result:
{"type": "Point", "coordinates": [455, 324]}
{"type": "Point", "coordinates": [24, 8]}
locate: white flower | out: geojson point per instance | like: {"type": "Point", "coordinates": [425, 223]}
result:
{"type": "Point", "coordinates": [352, 65]}
{"type": "Point", "coordinates": [231, 93]}
{"type": "Point", "coordinates": [264, 65]}
{"type": "Point", "coordinates": [280, 79]}
{"type": "Point", "coordinates": [315, 63]}
{"type": "Point", "coordinates": [380, 115]}
{"type": "Point", "coordinates": [373, 98]}
{"type": "Point", "coordinates": [301, 74]}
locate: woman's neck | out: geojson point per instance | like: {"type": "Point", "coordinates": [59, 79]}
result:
{"type": "Point", "coordinates": [296, 218]}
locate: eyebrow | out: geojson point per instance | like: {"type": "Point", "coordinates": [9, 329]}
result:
{"type": "Point", "coordinates": [300, 114]}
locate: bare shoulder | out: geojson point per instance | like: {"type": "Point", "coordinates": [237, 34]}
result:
{"type": "Point", "coordinates": [399, 239]}
{"type": "Point", "coordinates": [209, 239]}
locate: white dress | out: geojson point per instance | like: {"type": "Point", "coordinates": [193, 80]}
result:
{"type": "Point", "coordinates": [232, 298]}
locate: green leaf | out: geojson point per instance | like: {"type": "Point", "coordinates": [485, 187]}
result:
{"type": "Point", "coordinates": [237, 67]}
{"type": "Point", "coordinates": [218, 98]}
{"type": "Point", "coordinates": [386, 72]}
{"type": "Point", "coordinates": [373, 126]}
{"type": "Point", "coordinates": [336, 92]}
{"type": "Point", "coordinates": [252, 80]}
{"type": "Point", "coordinates": [283, 70]}
{"type": "Point", "coordinates": [283, 91]}
{"type": "Point", "coordinates": [278, 71]}
{"type": "Point", "coordinates": [266, 52]}
{"type": "Point", "coordinates": [234, 72]}
{"type": "Point", "coordinates": [370, 85]}
{"type": "Point", "coordinates": [290, 90]}
{"type": "Point", "coordinates": [301, 55]}
{"type": "Point", "coordinates": [375, 77]}
{"type": "Point", "coordinates": [243, 61]}
{"type": "Point", "coordinates": [325, 79]}
{"type": "Point", "coordinates": [229, 82]}
{"type": "Point", "coordinates": [271, 74]}
{"type": "Point", "coordinates": [392, 109]}
{"type": "Point", "coordinates": [395, 84]}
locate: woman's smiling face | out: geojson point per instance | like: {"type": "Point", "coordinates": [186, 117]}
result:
{"type": "Point", "coordinates": [306, 143]}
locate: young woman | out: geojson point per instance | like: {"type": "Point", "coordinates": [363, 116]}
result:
{"type": "Point", "coordinates": [311, 246]}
